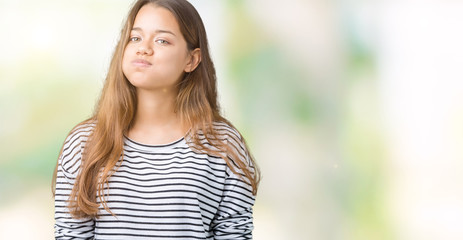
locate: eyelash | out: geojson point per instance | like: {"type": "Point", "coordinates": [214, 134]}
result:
{"type": "Point", "coordinates": [133, 39]}
{"type": "Point", "coordinates": [163, 41]}
{"type": "Point", "coordinates": [160, 41]}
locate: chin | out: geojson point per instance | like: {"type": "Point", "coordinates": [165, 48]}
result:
{"type": "Point", "coordinates": [138, 82]}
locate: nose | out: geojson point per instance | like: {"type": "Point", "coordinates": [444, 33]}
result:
{"type": "Point", "coordinates": [144, 49]}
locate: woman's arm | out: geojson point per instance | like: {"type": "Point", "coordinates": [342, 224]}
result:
{"type": "Point", "coordinates": [234, 219]}
{"type": "Point", "coordinates": [67, 227]}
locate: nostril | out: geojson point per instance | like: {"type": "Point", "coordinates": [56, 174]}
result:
{"type": "Point", "coordinates": [145, 51]}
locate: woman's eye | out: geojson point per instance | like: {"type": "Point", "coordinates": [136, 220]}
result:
{"type": "Point", "coordinates": [134, 39]}
{"type": "Point", "coordinates": [162, 41]}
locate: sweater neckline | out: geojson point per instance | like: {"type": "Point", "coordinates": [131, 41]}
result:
{"type": "Point", "coordinates": [153, 147]}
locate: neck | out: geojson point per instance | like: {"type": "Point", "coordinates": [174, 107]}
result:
{"type": "Point", "coordinates": [155, 109]}
{"type": "Point", "coordinates": [156, 121]}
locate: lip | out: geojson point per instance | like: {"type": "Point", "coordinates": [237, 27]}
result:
{"type": "Point", "coordinates": [141, 63]}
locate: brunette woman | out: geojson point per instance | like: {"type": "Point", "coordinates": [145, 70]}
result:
{"type": "Point", "coordinates": [157, 160]}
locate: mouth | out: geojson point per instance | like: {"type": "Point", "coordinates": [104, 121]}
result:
{"type": "Point", "coordinates": [141, 63]}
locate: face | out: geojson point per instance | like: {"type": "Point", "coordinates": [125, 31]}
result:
{"type": "Point", "coordinates": [156, 55]}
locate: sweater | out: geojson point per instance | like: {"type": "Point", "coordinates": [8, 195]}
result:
{"type": "Point", "coordinates": [159, 192]}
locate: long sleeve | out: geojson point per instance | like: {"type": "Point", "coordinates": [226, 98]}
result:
{"type": "Point", "coordinates": [234, 218]}
{"type": "Point", "coordinates": [67, 227]}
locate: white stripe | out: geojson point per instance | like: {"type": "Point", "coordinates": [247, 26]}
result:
{"type": "Point", "coordinates": [160, 192]}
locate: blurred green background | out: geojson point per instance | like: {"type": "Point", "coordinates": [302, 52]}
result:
{"type": "Point", "coordinates": [353, 109]}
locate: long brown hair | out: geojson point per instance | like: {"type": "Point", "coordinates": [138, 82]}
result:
{"type": "Point", "coordinates": [196, 103]}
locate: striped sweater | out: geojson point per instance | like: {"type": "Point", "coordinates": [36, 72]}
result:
{"type": "Point", "coordinates": [159, 192]}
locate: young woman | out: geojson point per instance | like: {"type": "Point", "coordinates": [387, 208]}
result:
{"type": "Point", "coordinates": [156, 160]}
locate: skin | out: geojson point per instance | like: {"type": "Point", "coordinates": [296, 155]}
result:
{"type": "Point", "coordinates": [154, 61]}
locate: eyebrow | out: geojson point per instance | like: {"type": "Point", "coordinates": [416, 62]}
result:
{"type": "Point", "coordinates": [157, 31]}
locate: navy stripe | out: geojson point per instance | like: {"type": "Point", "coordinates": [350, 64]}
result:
{"type": "Point", "coordinates": [160, 191]}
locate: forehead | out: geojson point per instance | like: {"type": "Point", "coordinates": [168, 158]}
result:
{"type": "Point", "coordinates": [151, 18]}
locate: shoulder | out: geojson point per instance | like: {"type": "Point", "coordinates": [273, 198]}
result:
{"type": "Point", "coordinates": [226, 130]}
{"type": "Point", "coordinates": [222, 139]}
{"type": "Point", "coordinates": [74, 143]}
{"type": "Point", "coordinates": [232, 139]}
{"type": "Point", "coordinates": [229, 135]}
{"type": "Point", "coordinates": [80, 132]}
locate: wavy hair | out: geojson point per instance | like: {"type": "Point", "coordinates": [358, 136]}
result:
{"type": "Point", "coordinates": [196, 103]}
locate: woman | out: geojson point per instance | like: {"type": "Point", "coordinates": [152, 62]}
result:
{"type": "Point", "coordinates": [156, 160]}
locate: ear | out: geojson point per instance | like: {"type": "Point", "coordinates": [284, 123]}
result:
{"type": "Point", "coordinates": [194, 60]}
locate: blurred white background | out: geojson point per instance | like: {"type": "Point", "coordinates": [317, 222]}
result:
{"type": "Point", "coordinates": [353, 109]}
